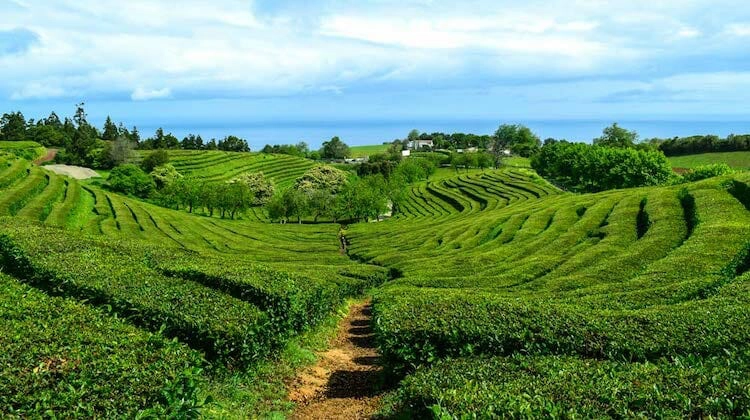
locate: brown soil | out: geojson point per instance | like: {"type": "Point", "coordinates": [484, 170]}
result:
{"type": "Point", "coordinates": [344, 383]}
{"type": "Point", "coordinates": [46, 158]}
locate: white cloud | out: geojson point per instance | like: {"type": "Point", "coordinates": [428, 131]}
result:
{"type": "Point", "coordinates": [688, 32]}
{"type": "Point", "coordinates": [738, 29]}
{"type": "Point", "coordinates": [38, 90]}
{"type": "Point", "coordinates": [141, 94]}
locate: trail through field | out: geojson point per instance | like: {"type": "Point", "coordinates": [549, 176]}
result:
{"type": "Point", "coordinates": [49, 156]}
{"type": "Point", "coordinates": [344, 383]}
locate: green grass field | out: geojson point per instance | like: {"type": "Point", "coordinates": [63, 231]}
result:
{"type": "Point", "coordinates": [494, 295]}
{"type": "Point", "coordinates": [363, 151]}
{"type": "Point", "coordinates": [737, 160]}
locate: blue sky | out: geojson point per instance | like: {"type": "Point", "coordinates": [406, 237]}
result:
{"type": "Point", "coordinates": [228, 62]}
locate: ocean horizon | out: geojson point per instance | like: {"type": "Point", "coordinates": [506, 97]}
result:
{"type": "Point", "coordinates": [358, 133]}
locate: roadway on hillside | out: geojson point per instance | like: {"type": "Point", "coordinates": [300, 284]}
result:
{"type": "Point", "coordinates": [344, 383]}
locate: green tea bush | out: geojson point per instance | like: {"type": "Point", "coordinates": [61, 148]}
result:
{"type": "Point", "coordinates": [570, 387]}
{"type": "Point", "coordinates": [64, 359]}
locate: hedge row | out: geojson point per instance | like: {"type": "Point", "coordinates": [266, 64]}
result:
{"type": "Point", "coordinates": [115, 274]}
{"type": "Point", "coordinates": [570, 387]}
{"type": "Point", "coordinates": [63, 359]}
{"type": "Point", "coordinates": [660, 295]}
{"type": "Point", "coordinates": [293, 302]}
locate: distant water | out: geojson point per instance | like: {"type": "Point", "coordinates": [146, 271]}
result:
{"type": "Point", "coordinates": [375, 132]}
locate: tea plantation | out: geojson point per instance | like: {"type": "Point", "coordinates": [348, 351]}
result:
{"type": "Point", "coordinates": [216, 166]}
{"type": "Point", "coordinates": [624, 303]}
{"type": "Point", "coordinates": [495, 294]}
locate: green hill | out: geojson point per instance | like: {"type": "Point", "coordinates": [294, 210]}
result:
{"type": "Point", "coordinates": [217, 166]}
{"type": "Point", "coordinates": [737, 160]}
{"type": "Point", "coordinates": [494, 294]}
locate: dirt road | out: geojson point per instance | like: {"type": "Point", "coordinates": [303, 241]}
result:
{"type": "Point", "coordinates": [344, 383]}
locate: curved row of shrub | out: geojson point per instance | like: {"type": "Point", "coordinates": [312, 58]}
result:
{"type": "Point", "coordinates": [611, 285]}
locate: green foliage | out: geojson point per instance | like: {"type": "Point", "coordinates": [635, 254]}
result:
{"type": "Point", "coordinates": [518, 138]}
{"type": "Point", "coordinates": [132, 180]}
{"type": "Point", "coordinates": [585, 168]}
{"type": "Point", "coordinates": [261, 188]}
{"type": "Point", "coordinates": [616, 136]}
{"type": "Point", "coordinates": [335, 149]}
{"type": "Point", "coordinates": [155, 159]}
{"type": "Point", "coordinates": [164, 176]}
{"type": "Point", "coordinates": [28, 150]}
{"type": "Point", "coordinates": [13, 127]}
{"type": "Point", "coordinates": [707, 171]}
{"type": "Point", "coordinates": [321, 177]}
{"type": "Point", "coordinates": [569, 387]}
{"type": "Point", "coordinates": [60, 356]}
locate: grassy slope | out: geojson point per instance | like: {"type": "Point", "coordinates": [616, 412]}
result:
{"type": "Point", "coordinates": [362, 151]}
{"type": "Point", "coordinates": [738, 160]}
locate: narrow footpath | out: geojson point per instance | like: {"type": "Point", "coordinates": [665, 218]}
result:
{"type": "Point", "coordinates": [344, 383]}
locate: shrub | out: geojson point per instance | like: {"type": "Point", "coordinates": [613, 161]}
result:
{"type": "Point", "coordinates": [154, 159]}
{"type": "Point", "coordinates": [585, 168]}
{"type": "Point", "coordinates": [130, 179]}
{"type": "Point", "coordinates": [707, 171]}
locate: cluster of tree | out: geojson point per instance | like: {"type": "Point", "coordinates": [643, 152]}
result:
{"type": "Point", "coordinates": [480, 159]}
{"type": "Point", "coordinates": [590, 168]}
{"type": "Point", "coordinates": [702, 144]}
{"type": "Point", "coordinates": [193, 142]}
{"type": "Point", "coordinates": [327, 192]}
{"type": "Point", "coordinates": [449, 141]}
{"type": "Point", "coordinates": [300, 149]}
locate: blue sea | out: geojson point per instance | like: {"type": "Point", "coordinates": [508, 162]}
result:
{"type": "Point", "coordinates": [375, 132]}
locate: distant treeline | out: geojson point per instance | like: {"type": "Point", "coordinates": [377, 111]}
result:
{"type": "Point", "coordinates": [702, 144]}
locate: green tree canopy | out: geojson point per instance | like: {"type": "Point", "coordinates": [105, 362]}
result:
{"type": "Point", "coordinates": [130, 179]}
{"type": "Point", "coordinates": [335, 149]}
{"type": "Point", "coordinates": [616, 136]}
{"type": "Point", "coordinates": [518, 138]}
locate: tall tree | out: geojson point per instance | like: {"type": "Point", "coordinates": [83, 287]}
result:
{"type": "Point", "coordinates": [335, 149]}
{"type": "Point", "coordinates": [110, 130]}
{"type": "Point", "coordinates": [616, 136]}
{"type": "Point", "coordinates": [13, 127]}
{"type": "Point", "coordinates": [518, 138]}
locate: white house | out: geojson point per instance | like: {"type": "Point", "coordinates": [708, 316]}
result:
{"type": "Point", "coordinates": [406, 153]}
{"type": "Point", "coordinates": [418, 144]}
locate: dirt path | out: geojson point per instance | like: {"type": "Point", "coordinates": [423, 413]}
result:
{"type": "Point", "coordinates": [47, 157]}
{"type": "Point", "coordinates": [344, 383]}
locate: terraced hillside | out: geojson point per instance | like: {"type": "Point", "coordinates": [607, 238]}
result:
{"type": "Point", "coordinates": [449, 194]}
{"type": "Point", "coordinates": [230, 292]}
{"type": "Point", "coordinates": [216, 166]}
{"type": "Point", "coordinates": [507, 297]}
{"type": "Point", "coordinates": [623, 303]}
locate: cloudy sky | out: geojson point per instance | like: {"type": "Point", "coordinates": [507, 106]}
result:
{"type": "Point", "coordinates": [228, 61]}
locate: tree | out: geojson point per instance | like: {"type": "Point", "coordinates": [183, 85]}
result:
{"type": "Point", "coordinates": [616, 136]}
{"type": "Point", "coordinates": [130, 179]}
{"type": "Point", "coordinates": [322, 203]}
{"type": "Point", "coordinates": [164, 176]}
{"type": "Point", "coordinates": [590, 168]}
{"type": "Point", "coordinates": [260, 187]}
{"type": "Point", "coordinates": [518, 138]}
{"type": "Point", "coordinates": [110, 130]}
{"type": "Point", "coordinates": [154, 159]}
{"type": "Point", "coordinates": [233, 144]}
{"type": "Point", "coordinates": [413, 135]}
{"type": "Point", "coordinates": [121, 151]}
{"type": "Point", "coordinates": [13, 127]}
{"type": "Point", "coordinates": [321, 177]}
{"type": "Point", "coordinates": [484, 160]}
{"type": "Point", "coordinates": [83, 140]}
{"type": "Point", "coordinates": [335, 149]}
